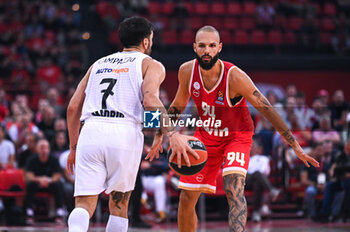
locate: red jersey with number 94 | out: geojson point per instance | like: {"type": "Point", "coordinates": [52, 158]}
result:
{"type": "Point", "coordinates": [223, 118]}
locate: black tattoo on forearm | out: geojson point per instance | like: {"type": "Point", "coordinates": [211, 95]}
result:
{"type": "Point", "coordinates": [263, 102]}
{"type": "Point", "coordinates": [119, 197]}
{"type": "Point", "coordinates": [288, 136]}
{"type": "Point", "coordinates": [173, 113]}
{"type": "Point", "coordinates": [234, 188]}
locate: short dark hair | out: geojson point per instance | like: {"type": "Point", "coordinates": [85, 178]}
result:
{"type": "Point", "coordinates": [208, 28]}
{"type": "Point", "coordinates": [133, 30]}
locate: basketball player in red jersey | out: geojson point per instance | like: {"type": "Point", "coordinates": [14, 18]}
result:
{"type": "Point", "coordinates": [220, 90]}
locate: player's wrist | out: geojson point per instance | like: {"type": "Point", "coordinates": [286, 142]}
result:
{"type": "Point", "coordinates": [73, 147]}
{"type": "Point", "coordinates": [171, 133]}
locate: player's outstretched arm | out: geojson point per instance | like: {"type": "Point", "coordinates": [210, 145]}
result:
{"type": "Point", "coordinates": [73, 119]}
{"type": "Point", "coordinates": [178, 142]}
{"type": "Point", "coordinates": [153, 76]}
{"type": "Point", "coordinates": [243, 86]}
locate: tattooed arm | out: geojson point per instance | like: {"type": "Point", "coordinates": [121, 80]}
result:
{"type": "Point", "coordinates": [178, 142]}
{"type": "Point", "coordinates": [241, 85]}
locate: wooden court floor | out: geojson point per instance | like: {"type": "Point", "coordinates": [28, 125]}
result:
{"type": "Point", "coordinates": [219, 226]}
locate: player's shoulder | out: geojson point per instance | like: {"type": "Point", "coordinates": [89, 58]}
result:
{"type": "Point", "coordinates": [227, 64]}
{"type": "Point", "coordinates": [236, 74]}
{"type": "Point", "coordinates": [186, 68]}
{"type": "Point", "coordinates": [149, 61]}
{"type": "Point", "coordinates": [150, 64]}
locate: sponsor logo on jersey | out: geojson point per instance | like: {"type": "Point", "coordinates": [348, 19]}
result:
{"type": "Point", "coordinates": [196, 85]}
{"type": "Point", "coordinates": [199, 178]}
{"type": "Point", "coordinates": [108, 114]}
{"type": "Point", "coordinates": [196, 92]}
{"type": "Point", "coordinates": [114, 60]}
{"type": "Point", "coordinates": [151, 119]}
{"type": "Point", "coordinates": [109, 70]}
{"type": "Point", "coordinates": [220, 95]}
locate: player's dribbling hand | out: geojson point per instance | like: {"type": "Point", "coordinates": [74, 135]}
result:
{"type": "Point", "coordinates": [305, 158]}
{"type": "Point", "coordinates": [71, 162]}
{"type": "Point", "coordinates": [180, 148]}
{"type": "Point", "coordinates": [156, 147]}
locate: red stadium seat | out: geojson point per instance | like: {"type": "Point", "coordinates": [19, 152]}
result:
{"type": "Point", "coordinates": [249, 8]}
{"type": "Point", "coordinates": [11, 177]}
{"type": "Point", "coordinates": [195, 22]}
{"type": "Point", "coordinates": [226, 37]}
{"type": "Point", "coordinates": [325, 38]}
{"type": "Point", "coordinates": [114, 12]}
{"type": "Point", "coordinates": [169, 37]}
{"type": "Point", "coordinates": [275, 37]}
{"type": "Point", "coordinates": [234, 8]}
{"type": "Point", "coordinates": [218, 8]}
{"type": "Point", "coordinates": [201, 8]}
{"type": "Point", "coordinates": [102, 8]}
{"type": "Point", "coordinates": [189, 7]}
{"type": "Point", "coordinates": [187, 37]}
{"type": "Point", "coordinates": [329, 9]}
{"type": "Point", "coordinates": [258, 37]}
{"type": "Point", "coordinates": [231, 23]}
{"type": "Point", "coordinates": [114, 38]}
{"type": "Point", "coordinates": [290, 38]}
{"type": "Point", "coordinates": [327, 24]}
{"type": "Point", "coordinates": [167, 8]}
{"type": "Point", "coordinates": [247, 23]}
{"type": "Point", "coordinates": [240, 37]}
{"type": "Point", "coordinates": [215, 22]}
{"type": "Point", "coordinates": [295, 23]}
{"type": "Point", "coordinates": [154, 8]}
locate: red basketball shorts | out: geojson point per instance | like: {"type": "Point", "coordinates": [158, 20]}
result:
{"type": "Point", "coordinates": [232, 156]}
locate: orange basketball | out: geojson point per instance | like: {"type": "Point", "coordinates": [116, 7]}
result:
{"type": "Point", "coordinates": [196, 164]}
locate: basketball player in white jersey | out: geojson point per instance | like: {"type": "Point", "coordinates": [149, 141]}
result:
{"type": "Point", "coordinates": [107, 152]}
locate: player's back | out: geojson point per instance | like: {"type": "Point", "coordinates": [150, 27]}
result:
{"type": "Point", "coordinates": [113, 92]}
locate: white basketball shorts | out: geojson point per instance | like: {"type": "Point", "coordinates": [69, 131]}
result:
{"type": "Point", "coordinates": [108, 157]}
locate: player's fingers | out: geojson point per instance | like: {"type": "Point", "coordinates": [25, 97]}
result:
{"type": "Point", "coordinates": [152, 153]}
{"type": "Point", "coordinates": [148, 156]}
{"type": "Point", "coordinates": [161, 148]}
{"type": "Point", "coordinates": [73, 169]}
{"type": "Point", "coordinates": [187, 160]}
{"type": "Point", "coordinates": [157, 154]}
{"type": "Point", "coordinates": [306, 163]}
{"type": "Point", "coordinates": [314, 162]}
{"type": "Point", "coordinates": [178, 154]}
{"type": "Point", "coordinates": [171, 157]}
{"type": "Point", "coordinates": [192, 152]}
{"type": "Point", "coordinates": [69, 167]}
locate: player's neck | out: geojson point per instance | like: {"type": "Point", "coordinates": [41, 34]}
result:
{"type": "Point", "coordinates": [215, 71]}
{"type": "Point", "coordinates": [133, 49]}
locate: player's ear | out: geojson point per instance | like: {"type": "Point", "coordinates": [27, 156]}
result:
{"type": "Point", "coordinates": [145, 43]}
{"type": "Point", "coordinates": [220, 47]}
{"type": "Point", "coordinates": [194, 47]}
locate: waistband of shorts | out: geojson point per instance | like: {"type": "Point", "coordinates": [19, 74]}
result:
{"type": "Point", "coordinates": [122, 121]}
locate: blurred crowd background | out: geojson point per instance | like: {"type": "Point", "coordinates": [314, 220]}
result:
{"type": "Point", "coordinates": [296, 51]}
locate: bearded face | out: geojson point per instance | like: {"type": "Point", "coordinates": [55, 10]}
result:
{"type": "Point", "coordinates": [206, 61]}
